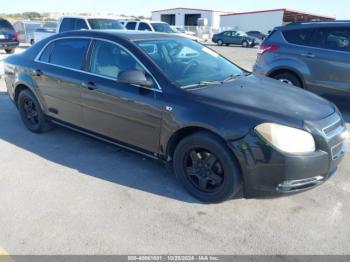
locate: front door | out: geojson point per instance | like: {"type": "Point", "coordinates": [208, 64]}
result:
{"type": "Point", "coordinates": [124, 112]}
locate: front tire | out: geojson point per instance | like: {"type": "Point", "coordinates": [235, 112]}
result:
{"type": "Point", "coordinates": [206, 168]}
{"type": "Point", "coordinates": [245, 44]}
{"type": "Point", "coordinates": [31, 113]}
{"type": "Point", "coordinates": [10, 51]}
{"type": "Point", "coordinates": [289, 79]}
{"type": "Point", "coordinates": [220, 42]}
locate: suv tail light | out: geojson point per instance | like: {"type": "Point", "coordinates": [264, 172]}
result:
{"type": "Point", "coordinates": [15, 36]}
{"type": "Point", "coordinates": [267, 48]}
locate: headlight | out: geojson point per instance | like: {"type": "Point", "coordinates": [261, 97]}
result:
{"type": "Point", "coordinates": [287, 139]}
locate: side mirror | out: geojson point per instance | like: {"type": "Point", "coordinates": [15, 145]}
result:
{"type": "Point", "coordinates": [134, 77]}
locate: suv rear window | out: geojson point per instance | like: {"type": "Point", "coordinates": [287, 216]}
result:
{"type": "Point", "coordinates": [298, 37]}
{"type": "Point", "coordinates": [5, 26]}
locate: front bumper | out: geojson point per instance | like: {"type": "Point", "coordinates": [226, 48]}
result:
{"type": "Point", "coordinates": [270, 173]}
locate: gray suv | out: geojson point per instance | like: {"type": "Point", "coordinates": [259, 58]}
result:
{"type": "Point", "coordinates": [314, 56]}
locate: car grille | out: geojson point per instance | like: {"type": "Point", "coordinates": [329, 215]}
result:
{"type": "Point", "coordinates": [330, 135]}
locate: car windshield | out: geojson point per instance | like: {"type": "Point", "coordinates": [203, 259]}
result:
{"type": "Point", "coordinates": [50, 25]}
{"type": "Point", "coordinates": [188, 63]}
{"type": "Point", "coordinates": [105, 24]}
{"type": "Point", "coordinates": [31, 27]}
{"type": "Point", "coordinates": [162, 28]}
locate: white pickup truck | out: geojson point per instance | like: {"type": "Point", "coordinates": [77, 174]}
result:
{"type": "Point", "coordinates": [71, 23]}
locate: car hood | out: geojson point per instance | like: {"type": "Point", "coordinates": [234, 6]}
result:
{"type": "Point", "coordinates": [267, 99]}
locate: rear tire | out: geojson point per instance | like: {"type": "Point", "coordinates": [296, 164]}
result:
{"type": "Point", "coordinates": [32, 41]}
{"type": "Point", "coordinates": [10, 51]}
{"type": "Point", "coordinates": [31, 113]}
{"type": "Point", "coordinates": [220, 42]}
{"type": "Point", "coordinates": [289, 79]}
{"type": "Point", "coordinates": [206, 168]}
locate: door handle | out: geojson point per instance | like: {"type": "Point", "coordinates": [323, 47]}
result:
{"type": "Point", "coordinates": [89, 85]}
{"type": "Point", "coordinates": [308, 55]}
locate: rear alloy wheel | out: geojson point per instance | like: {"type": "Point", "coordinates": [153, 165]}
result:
{"type": "Point", "coordinates": [206, 168]}
{"type": "Point", "coordinates": [288, 79]}
{"type": "Point", "coordinates": [9, 51]}
{"type": "Point", "coordinates": [220, 42]}
{"type": "Point", "coordinates": [245, 44]}
{"type": "Point", "coordinates": [31, 113]}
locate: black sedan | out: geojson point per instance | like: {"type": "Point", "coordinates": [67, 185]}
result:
{"type": "Point", "coordinates": [173, 99]}
{"type": "Point", "coordinates": [235, 38]}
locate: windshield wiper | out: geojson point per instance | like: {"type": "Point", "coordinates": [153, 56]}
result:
{"type": "Point", "coordinates": [232, 77]}
{"type": "Point", "coordinates": [202, 84]}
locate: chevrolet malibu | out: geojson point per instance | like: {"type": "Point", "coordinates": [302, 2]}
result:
{"type": "Point", "coordinates": [224, 130]}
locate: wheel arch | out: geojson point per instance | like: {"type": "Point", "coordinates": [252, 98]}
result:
{"type": "Point", "coordinates": [19, 87]}
{"type": "Point", "coordinates": [281, 70]}
{"type": "Point", "coordinates": [183, 132]}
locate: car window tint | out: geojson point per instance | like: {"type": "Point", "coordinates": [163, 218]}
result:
{"type": "Point", "coordinates": [131, 25]}
{"type": "Point", "coordinates": [67, 24]}
{"type": "Point", "coordinates": [110, 60]}
{"type": "Point", "coordinates": [80, 24]}
{"type": "Point", "coordinates": [227, 33]}
{"type": "Point", "coordinates": [45, 56]}
{"type": "Point", "coordinates": [144, 27]}
{"type": "Point", "coordinates": [298, 37]}
{"type": "Point", "coordinates": [5, 26]}
{"type": "Point", "coordinates": [69, 53]}
{"type": "Point", "coordinates": [338, 39]}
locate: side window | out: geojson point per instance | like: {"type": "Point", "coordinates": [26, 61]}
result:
{"type": "Point", "coordinates": [45, 55]}
{"type": "Point", "coordinates": [298, 37]}
{"type": "Point", "coordinates": [80, 24]}
{"type": "Point", "coordinates": [338, 39]}
{"type": "Point", "coordinates": [109, 60]}
{"type": "Point", "coordinates": [144, 27]}
{"type": "Point", "coordinates": [227, 33]}
{"type": "Point", "coordinates": [131, 25]}
{"type": "Point", "coordinates": [69, 52]}
{"type": "Point", "coordinates": [67, 24]}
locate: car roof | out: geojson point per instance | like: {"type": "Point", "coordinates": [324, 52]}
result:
{"type": "Point", "coordinates": [314, 25]}
{"type": "Point", "coordinates": [87, 17]}
{"type": "Point", "coordinates": [130, 35]}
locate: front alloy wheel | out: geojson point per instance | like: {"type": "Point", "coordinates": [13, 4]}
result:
{"type": "Point", "coordinates": [204, 170]}
{"type": "Point", "coordinates": [207, 168]}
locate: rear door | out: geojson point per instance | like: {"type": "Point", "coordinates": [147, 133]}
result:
{"type": "Point", "coordinates": [330, 63]}
{"type": "Point", "coordinates": [59, 75]}
{"type": "Point", "coordinates": [326, 54]}
{"type": "Point", "coordinates": [124, 112]}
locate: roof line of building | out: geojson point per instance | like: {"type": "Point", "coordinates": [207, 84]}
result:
{"type": "Point", "coordinates": [196, 9]}
{"type": "Point", "coordinates": [277, 10]}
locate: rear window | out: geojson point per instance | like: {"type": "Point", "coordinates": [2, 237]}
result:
{"type": "Point", "coordinates": [67, 24]}
{"type": "Point", "coordinates": [298, 37]}
{"type": "Point", "coordinates": [131, 25]}
{"type": "Point", "coordinates": [5, 26]}
{"type": "Point", "coordinates": [67, 52]}
{"type": "Point", "coordinates": [105, 24]}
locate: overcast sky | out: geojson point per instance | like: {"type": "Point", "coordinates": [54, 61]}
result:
{"type": "Point", "coordinates": [337, 8]}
